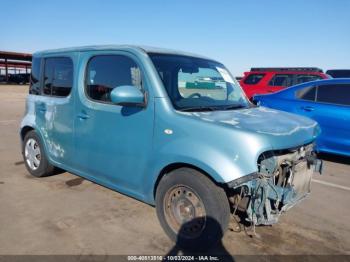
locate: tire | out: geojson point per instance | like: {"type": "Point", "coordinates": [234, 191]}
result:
{"type": "Point", "coordinates": [32, 147]}
{"type": "Point", "coordinates": [193, 211]}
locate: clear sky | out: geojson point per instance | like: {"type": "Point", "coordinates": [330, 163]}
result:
{"type": "Point", "coordinates": [239, 33]}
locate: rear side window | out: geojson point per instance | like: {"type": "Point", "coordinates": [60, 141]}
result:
{"type": "Point", "coordinates": [307, 93]}
{"type": "Point", "coordinates": [334, 94]}
{"type": "Point", "coordinates": [106, 72]}
{"type": "Point", "coordinates": [253, 79]}
{"type": "Point", "coordinates": [299, 79]}
{"type": "Point", "coordinates": [58, 76]}
{"type": "Point", "coordinates": [282, 80]}
{"type": "Point", "coordinates": [338, 73]}
{"type": "Point", "coordinates": [34, 87]}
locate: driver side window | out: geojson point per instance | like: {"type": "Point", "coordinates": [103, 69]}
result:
{"type": "Point", "coordinates": [106, 72]}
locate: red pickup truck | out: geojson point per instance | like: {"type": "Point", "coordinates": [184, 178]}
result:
{"type": "Point", "coordinates": [269, 80]}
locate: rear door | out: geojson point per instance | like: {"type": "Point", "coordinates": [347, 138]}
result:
{"type": "Point", "coordinates": [54, 108]}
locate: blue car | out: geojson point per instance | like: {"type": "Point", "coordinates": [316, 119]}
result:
{"type": "Point", "coordinates": [327, 102]}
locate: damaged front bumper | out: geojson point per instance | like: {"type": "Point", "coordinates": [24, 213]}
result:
{"type": "Point", "coordinates": [284, 179]}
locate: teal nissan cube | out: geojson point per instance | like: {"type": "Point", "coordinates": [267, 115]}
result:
{"type": "Point", "coordinates": [171, 129]}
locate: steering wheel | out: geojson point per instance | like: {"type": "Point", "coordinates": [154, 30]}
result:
{"type": "Point", "coordinates": [194, 94]}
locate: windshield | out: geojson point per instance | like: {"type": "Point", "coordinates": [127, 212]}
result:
{"type": "Point", "coordinates": [198, 84]}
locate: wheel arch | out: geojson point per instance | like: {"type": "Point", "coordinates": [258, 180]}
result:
{"type": "Point", "coordinates": [27, 128]}
{"type": "Point", "coordinates": [177, 165]}
{"type": "Point", "coordinates": [24, 131]}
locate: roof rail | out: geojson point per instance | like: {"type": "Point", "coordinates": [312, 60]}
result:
{"type": "Point", "coordinates": [269, 69]}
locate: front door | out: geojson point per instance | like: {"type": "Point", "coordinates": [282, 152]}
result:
{"type": "Point", "coordinates": [113, 143]}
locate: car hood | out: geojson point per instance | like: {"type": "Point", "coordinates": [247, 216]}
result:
{"type": "Point", "coordinates": [280, 129]}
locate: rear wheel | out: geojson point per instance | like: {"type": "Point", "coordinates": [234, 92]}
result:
{"type": "Point", "coordinates": [34, 156]}
{"type": "Point", "coordinates": [193, 211]}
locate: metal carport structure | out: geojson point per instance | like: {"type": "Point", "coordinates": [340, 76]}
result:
{"type": "Point", "coordinates": [14, 60]}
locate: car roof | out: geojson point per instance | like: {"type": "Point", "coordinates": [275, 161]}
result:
{"type": "Point", "coordinates": [146, 49]}
{"type": "Point", "coordinates": [292, 89]}
{"type": "Point", "coordinates": [337, 70]}
{"type": "Point", "coordinates": [325, 81]}
{"type": "Point", "coordinates": [316, 82]}
{"type": "Point", "coordinates": [286, 69]}
{"type": "Point", "coordinates": [290, 72]}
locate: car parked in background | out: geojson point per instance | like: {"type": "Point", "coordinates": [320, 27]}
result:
{"type": "Point", "coordinates": [339, 73]}
{"type": "Point", "coordinates": [270, 80]}
{"type": "Point", "coordinates": [327, 102]}
{"type": "Point", "coordinates": [2, 78]}
{"type": "Point", "coordinates": [19, 79]}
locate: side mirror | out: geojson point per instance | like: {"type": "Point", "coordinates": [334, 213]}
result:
{"type": "Point", "coordinates": [128, 96]}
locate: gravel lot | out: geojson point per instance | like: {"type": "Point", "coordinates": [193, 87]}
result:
{"type": "Point", "coordinates": [65, 214]}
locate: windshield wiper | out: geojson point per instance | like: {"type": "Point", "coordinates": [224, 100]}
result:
{"type": "Point", "coordinates": [199, 108]}
{"type": "Point", "coordinates": [212, 108]}
{"type": "Point", "coordinates": [232, 107]}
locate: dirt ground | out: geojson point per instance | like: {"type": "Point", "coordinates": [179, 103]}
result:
{"type": "Point", "coordinates": [65, 214]}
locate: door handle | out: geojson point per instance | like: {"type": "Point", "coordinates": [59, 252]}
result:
{"type": "Point", "coordinates": [307, 108]}
{"type": "Point", "coordinates": [41, 107]}
{"type": "Point", "coordinates": [83, 116]}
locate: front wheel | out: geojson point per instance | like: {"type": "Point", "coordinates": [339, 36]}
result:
{"type": "Point", "coordinates": [193, 211]}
